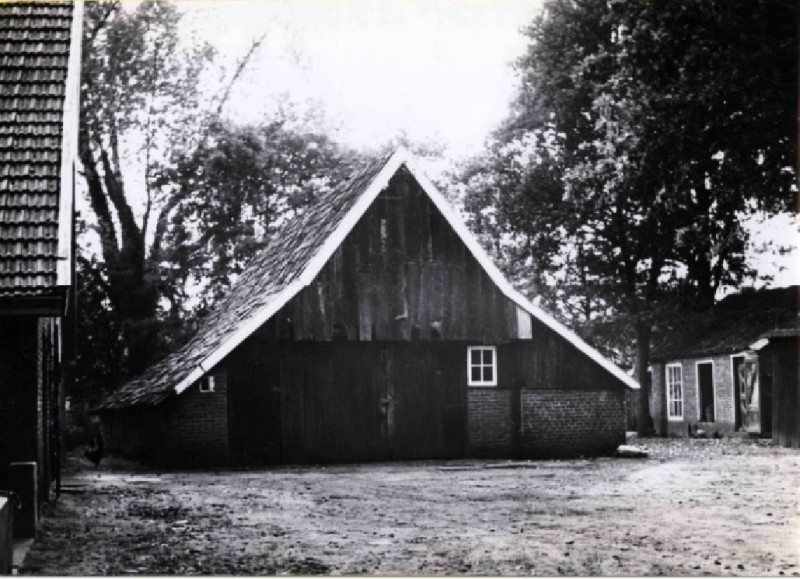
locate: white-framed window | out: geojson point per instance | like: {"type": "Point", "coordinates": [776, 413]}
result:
{"type": "Point", "coordinates": [482, 366]}
{"type": "Point", "coordinates": [207, 384]}
{"type": "Point", "coordinates": [674, 392]}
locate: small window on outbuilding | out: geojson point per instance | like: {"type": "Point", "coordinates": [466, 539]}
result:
{"type": "Point", "coordinates": [207, 384]}
{"type": "Point", "coordinates": [482, 366]}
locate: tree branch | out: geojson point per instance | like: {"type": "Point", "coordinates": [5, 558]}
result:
{"type": "Point", "coordinates": [131, 236]}
{"type": "Point", "coordinates": [97, 198]}
{"type": "Point", "coordinates": [241, 65]}
{"type": "Point", "coordinates": [147, 150]}
{"type": "Point", "coordinates": [91, 35]}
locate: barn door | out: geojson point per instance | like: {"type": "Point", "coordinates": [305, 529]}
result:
{"type": "Point", "coordinates": [350, 402]}
{"type": "Point", "coordinates": [331, 401]}
{"type": "Point", "coordinates": [425, 383]}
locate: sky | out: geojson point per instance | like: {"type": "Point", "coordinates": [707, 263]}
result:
{"type": "Point", "coordinates": [436, 71]}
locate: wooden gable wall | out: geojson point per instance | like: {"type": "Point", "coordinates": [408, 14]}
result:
{"type": "Point", "coordinates": [402, 273]}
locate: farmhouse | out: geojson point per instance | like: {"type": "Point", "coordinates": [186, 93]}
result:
{"type": "Point", "coordinates": [373, 328]}
{"type": "Point", "coordinates": [39, 96]}
{"type": "Point", "coordinates": [733, 370]}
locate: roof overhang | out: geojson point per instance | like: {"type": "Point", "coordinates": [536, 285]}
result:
{"type": "Point", "coordinates": [379, 183]}
{"type": "Point", "coordinates": [69, 152]}
{"type": "Point", "coordinates": [44, 305]}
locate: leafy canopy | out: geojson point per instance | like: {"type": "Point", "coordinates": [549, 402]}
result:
{"type": "Point", "coordinates": [644, 133]}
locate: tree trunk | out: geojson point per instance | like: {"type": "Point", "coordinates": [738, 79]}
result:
{"type": "Point", "coordinates": [644, 422]}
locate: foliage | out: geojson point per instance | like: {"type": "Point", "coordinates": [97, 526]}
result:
{"type": "Point", "coordinates": [140, 96]}
{"type": "Point", "coordinates": [179, 198]}
{"type": "Point", "coordinates": [99, 351]}
{"type": "Point", "coordinates": [235, 192]}
{"type": "Point", "coordinates": [643, 133]}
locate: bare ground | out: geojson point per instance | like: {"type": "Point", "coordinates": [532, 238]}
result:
{"type": "Point", "coordinates": [694, 507]}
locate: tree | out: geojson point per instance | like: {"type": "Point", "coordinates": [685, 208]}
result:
{"type": "Point", "coordinates": [140, 95]}
{"type": "Point", "coordinates": [643, 133]}
{"type": "Point", "coordinates": [142, 107]}
{"type": "Point", "coordinates": [233, 193]}
{"type": "Point", "coordinates": [99, 358]}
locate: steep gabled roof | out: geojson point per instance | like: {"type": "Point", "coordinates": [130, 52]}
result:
{"type": "Point", "coordinates": [290, 263]}
{"type": "Point", "coordinates": [39, 84]}
{"type": "Point", "coordinates": [732, 325]}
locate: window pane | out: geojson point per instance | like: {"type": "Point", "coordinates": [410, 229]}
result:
{"type": "Point", "coordinates": [488, 374]}
{"type": "Point", "coordinates": [487, 356]}
{"type": "Point", "coordinates": [475, 357]}
{"type": "Point", "coordinates": [475, 374]}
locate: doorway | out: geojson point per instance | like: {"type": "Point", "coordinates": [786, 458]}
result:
{"type": "Point", "coordinates": [706, 409]}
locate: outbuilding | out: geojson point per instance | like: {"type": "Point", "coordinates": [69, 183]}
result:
{"type": "Point", "coordinates": [731, 370]}
{"type": "Point", "coordinates": [374, 328]}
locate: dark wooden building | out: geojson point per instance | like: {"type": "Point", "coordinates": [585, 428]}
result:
{"type": "Point", "coordinates": [374, 328]}
{"type": "Point", "coordinates": [733, 369]}
{"type": "Point", "coordinates": [39, 100]}
{"type": "Point", "coordinates": [779, 374]}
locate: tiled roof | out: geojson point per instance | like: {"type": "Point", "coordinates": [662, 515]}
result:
{"type": "Point", "coordinates": [266, 276]}
{"type": "Point", "coordinates": [732, 325]}
{"type": "Point", "coordinates": [34, 56]}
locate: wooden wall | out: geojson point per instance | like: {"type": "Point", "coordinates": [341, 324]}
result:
{"type": "Point", "coordinates": [346, 401]}
{"type": "Point", "coordinates": [402, 273]}
{"type": "Point", "coordinates": [779, 371]}
{"type": "Point", "coordinates": [369, 361]}
{"type": "Point", "coordinates": [550, 361]}
{"type": "Point", "coordinates": [302, 401]}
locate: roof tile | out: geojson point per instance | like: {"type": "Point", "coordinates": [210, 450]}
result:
{"type": "Point", "coordinates": [34, 54]}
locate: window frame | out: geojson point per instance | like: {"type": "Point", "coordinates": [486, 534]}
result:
{"type": "Point", "coordinates": [207, 384]}
{"type": "Point", "coordinates": [493, 365]}
{"type": "Point", "coordinates": [672, 399]}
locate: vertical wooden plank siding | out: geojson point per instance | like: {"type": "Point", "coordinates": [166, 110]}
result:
{"type": "Point", "coordinates": [401, 269]}
{"type": "Point", "coordinates": [782, 356]}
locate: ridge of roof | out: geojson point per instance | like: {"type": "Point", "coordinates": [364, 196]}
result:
{"type": "Point", "coordinates": [291, 262]}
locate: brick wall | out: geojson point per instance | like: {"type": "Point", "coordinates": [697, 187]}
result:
{"type": "Point", "coordinates": [197, 425]}
{"type": "Point", "coordinates": [724, 417]}
{"type": "Point", "coordinates": [658, 410]}
{"type": "Point", "coordinates": [571, 422]}
{"type": "Point", "coordinates": [490, 428]}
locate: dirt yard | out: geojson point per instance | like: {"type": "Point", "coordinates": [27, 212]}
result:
{"type": "Point", "coordinates": [694, 507]}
